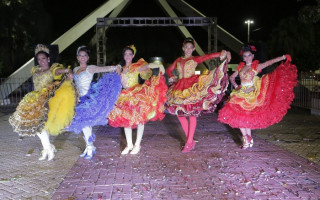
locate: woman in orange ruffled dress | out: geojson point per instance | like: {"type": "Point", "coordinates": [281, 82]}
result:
{"type": "Point", "coordinates": [258, 102]}
{"type": "Point", "coordinates": [138, 103]}
{"type": "Point", "coordinates": [190, 94]}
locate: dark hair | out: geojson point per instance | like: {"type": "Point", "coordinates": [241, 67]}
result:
{"type": "Point", "coordinates": [53, 54]}
{"type": "Point", "coordinates": [83, 48]}
{"type": "Point", "coordinates": [123, 62]}
{"type": "Point", "coordinates": [43, 52]}
{"type": "Point", "coordinates": [189, 40]}
{"type": "Point", "coordinates": [248, 47]}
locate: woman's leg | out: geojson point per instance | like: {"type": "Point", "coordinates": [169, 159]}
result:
{"type": "Point", "coordinates": [89, 138]}
{"type": "Point", "coordinates": [137, 146]}
{"type": "Point", "coordinates": [48, 149]}
{"type": "Point", "coordinates": [192, 128]}
{"type": "Point", "coordinates": [248, 130]}
{"type": "Point", "coordinates": [190, 144]}
{"type": "Point", "coordinates": [185, 125]}
{"type": "Point", "coordinates": [246, 137]}
{"type": "Point", "coordinates": [128, 133]}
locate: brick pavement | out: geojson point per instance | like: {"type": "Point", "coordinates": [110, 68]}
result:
{"type": "Point", "coordinates": [217, 169]}
{"type": "Point", "coordinates": [22, 176]}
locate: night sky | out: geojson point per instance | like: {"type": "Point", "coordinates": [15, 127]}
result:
{"type": "Point", "coordinates": [167, 41]}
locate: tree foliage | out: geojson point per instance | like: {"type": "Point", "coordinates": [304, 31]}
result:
{"type": "Point", "coordinates": [300, 37]}
{"type": "Point", "coordinates": [23, 23]}
{"type": "Point", "coordinates": [310, 13]}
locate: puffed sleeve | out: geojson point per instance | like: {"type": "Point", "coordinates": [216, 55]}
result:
{"type": "Point", "coordinates": [53, 69]}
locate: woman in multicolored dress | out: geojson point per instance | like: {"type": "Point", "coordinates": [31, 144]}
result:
{"type": "Point", "coordinates": [138, 103]}
{"type": "Point", "coordinates": [258, 102]}
{"type": "Point", "coordinates": [96, 99]}
{"type": "Point", "coordinates": [50, 107]}
{"type": "Point", "coordinates": [190, 94]}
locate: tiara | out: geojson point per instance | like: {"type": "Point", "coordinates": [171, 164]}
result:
{"type": "Point", "coordinates": [41, 48]}
{"type": "Point", "coordinates": [133, 48]}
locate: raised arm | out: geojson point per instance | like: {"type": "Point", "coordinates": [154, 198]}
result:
{"type": "Point", "coordinates": [144, 68]}
{"type": "Point", "coordinates": [223, 54]}
{"type": "Point", "coordinates": [200, 59]}
{"type": "Point", "coordinates": [270, 62]}
{"type": "Point", "coordinates": [96, 69]}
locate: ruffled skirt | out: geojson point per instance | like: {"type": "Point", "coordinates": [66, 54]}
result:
{"type": "Point", "coordinates": [266, 105]}
{"type": "Point", "coordinates": [61, 108]}
{"type": "Point", "coordinates": [198, 93]}
{"type": "Point", "coordinates": [31, 115]}
{"type": "Point", "coordinates": [140, 104]}
{"type": "Point", "coordinates": [94, 107]}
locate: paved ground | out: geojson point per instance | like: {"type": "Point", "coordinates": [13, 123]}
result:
{"type": "Point", "coordinates": [283, 164]}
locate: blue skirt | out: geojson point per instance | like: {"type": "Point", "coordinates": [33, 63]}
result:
{"type": "Point", "coordinates": [94, 107]}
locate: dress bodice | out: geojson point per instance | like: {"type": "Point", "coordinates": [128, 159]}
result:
{"type": "Point", "coordinates": [186, 67]}
{"type": "Point", "coordinates": [83, 80]}
{"type": "Point", "coordinates": [247, 76]}
{"type": "Point", "coordinates": [131, 77]}
{"type": "Point", "coordinates": [41, 80]}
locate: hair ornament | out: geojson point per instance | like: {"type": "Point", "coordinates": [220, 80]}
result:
{"type": "Point", "coordinates": [253, 48]}
{"type": "Point", "coordinates": [133, 48]}
{"type": "Point", "coordinates": [41, 48]}
{"type": "Point", "coordinates": [79, 49]}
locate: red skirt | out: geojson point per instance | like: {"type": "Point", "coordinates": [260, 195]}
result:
{"type": "Point", "coordinates": [198, 93]}
{"type": "Point", "coordinates": [266, 105]}
{"type": "Point", "coordinates": [140, 104]}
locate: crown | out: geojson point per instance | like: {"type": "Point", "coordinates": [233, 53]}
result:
{"type": "Point", "coordinates": [133, 48]}
{"type": "Point", "coordinates": [41, 48]}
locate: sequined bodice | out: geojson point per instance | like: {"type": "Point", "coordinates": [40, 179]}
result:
{"type": "Point", "coordinates": [83, 80]}
{"type": "Point", "coordinates": [130, 79]}
{"type": "Point", "coordinates": [247, 76]}
{"type": "Point", "coordinates": [186, 68]}
{"type": "Point", "coordinates": [40, 80]}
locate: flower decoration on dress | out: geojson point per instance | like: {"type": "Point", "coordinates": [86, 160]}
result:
{"type": "Point", "coordinates": [41, 48]}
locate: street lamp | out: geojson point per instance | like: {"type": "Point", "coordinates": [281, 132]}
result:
{"type": "Point", "coordinates": [248, 22]}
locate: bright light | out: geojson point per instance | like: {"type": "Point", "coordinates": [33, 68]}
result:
{"type": "Point", "coordinates": [249, 22]}
{"type": "Point", "coordinates": [197, 72]}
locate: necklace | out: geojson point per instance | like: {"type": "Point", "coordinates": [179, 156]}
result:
{"type": "Point", "coordinates": [248, 64]}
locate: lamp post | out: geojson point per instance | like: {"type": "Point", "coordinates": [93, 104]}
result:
{"type": "Point", "coordinates": [248, 22]}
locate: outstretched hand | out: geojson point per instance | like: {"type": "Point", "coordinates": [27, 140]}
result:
{"type": "Point", "coordinates": [118, 70]}
{"type": "Point", "coordinates": [173, 79]}
{"type": "Point", "coordinates": [288, 57]}
{"type": "Point", "coordinates": [225, 55]}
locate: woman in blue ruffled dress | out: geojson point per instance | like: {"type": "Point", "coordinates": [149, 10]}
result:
{"type": "Point", "coordinates": [96, 99]}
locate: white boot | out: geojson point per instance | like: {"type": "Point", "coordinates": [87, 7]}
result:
{"type": "Point", "coordinates": [48, 149]}
{"type": "Point", "coordinates": [89, 138]}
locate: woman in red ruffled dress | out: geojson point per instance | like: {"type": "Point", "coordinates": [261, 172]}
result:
{"type": "Point", "coordinates": [190, 94]}
{"type": "Point", "coordinates": [258, 102]}
{"type": "Point", "coordinates": [138, 103]}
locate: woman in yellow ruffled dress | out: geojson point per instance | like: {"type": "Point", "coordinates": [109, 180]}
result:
{"type": "Point", "coordinates": [50, 107]}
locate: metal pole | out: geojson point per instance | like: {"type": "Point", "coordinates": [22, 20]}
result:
{"type": "Point", "coordinates": [248, 32]}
